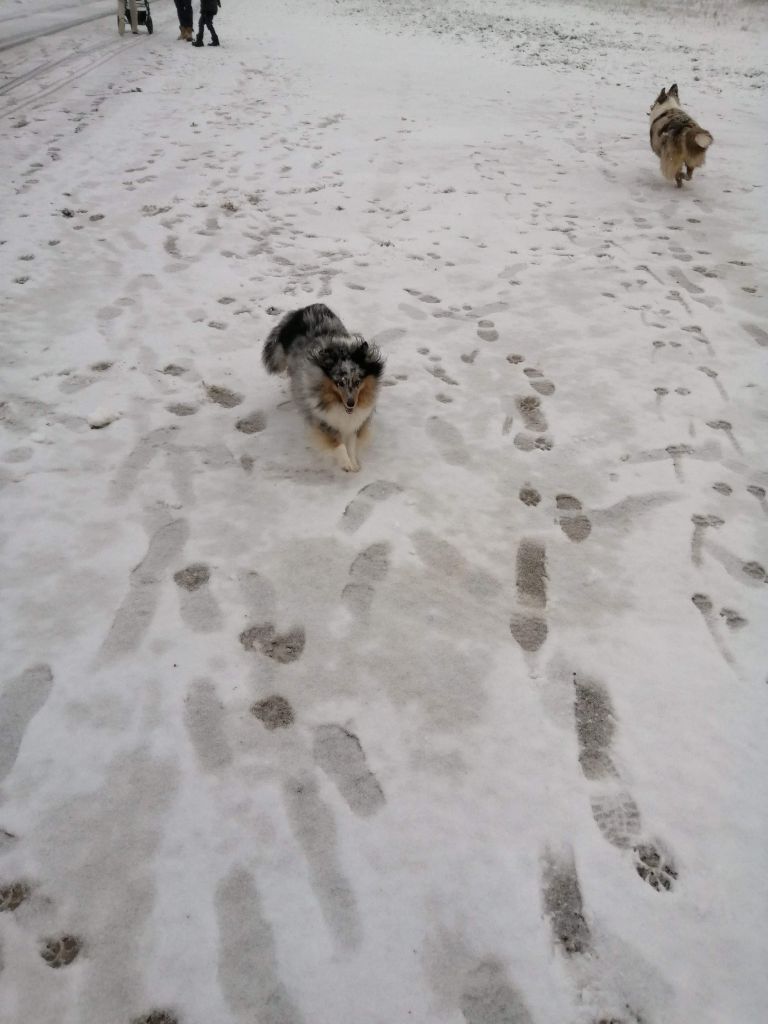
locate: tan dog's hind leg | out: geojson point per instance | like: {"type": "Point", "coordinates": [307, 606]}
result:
{"type": "Point", "coordinates": [672, 166]}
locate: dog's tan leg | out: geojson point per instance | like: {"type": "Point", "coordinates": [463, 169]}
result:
{"type": "Point", "coordinates": [364, 433]}
{"type": "Point", "coordinates": [333, 444]}
{"type": "Point", "coordinates": [351, 443]}
{"type": "Point", "coordinates": [679, 179]}
{"type": "Point", "coordinates": [688, 172]}
{"type": "Point", "coordinates": [360, 439]}
{"type": "Point", "coordinates": [345, 459]}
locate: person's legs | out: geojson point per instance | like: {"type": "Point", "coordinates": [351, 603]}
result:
{"type": "Point", "coordinates": [206, 21]}
{"type": "Point", "coordinates": [134, 17]}
{"type": "Point", "coordinates": [180, 16]}
{"type": "Point", "coordinates": [187, 19]}
{"type": "Point", "coordinates": [121, 17]}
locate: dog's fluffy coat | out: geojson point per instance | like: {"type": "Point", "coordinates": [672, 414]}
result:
{"type": "Point", "coordinates": [334, 376]}
{"type": "Point", "coordinates": [676, 139]}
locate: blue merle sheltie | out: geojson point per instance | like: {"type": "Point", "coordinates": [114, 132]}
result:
{"type": "Point", "coordinates": [335, 377]}
{"type": "Point", "coordinates": [676, 139]}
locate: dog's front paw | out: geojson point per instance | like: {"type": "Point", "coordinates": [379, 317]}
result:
{"type": "Point", "coordinates": [345, 460]}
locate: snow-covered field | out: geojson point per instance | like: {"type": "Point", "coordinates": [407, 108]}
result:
{"type": "Point", "coordinates": [476, 736]}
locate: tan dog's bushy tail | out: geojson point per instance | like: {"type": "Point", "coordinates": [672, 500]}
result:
{"type": "Point", "coordinates": [696, 142]}
{"type": "Point", "coordinates": [703, 139]}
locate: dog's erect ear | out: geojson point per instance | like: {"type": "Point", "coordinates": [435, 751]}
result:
{"type": "Point", "coordinates": [368, 358]}
{"type": "Point", "coordinates": [673, 91]}
{"type": "Point", "coordinates": [661, 97]}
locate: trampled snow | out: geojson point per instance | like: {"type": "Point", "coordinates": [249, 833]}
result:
{"type": "Point", "coordinates": [477, 734]}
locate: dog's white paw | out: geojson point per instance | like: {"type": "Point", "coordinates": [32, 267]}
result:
{"type": "Point", "coordinates": [347, 461]}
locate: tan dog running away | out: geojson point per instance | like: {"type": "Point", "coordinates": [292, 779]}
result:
{"type": "Point", "coordinates": [676, 138]}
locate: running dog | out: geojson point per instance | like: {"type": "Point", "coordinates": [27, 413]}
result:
{"type": "Point", "coordinates": [334, 376]}
{"type": "Point", "coordinates": [676, 138]}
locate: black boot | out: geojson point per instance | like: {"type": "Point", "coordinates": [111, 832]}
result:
{"type": "Point", "coordinates": [214, 42]}
{"type": "Point", "coordinates": [198, 42]}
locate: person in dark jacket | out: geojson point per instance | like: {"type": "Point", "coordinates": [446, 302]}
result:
{"type": "Point", "coordinates": [186, 20]}
{"type": "Point", "coordinates": [208, 9]}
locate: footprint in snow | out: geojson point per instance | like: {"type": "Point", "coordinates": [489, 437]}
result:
{"type": "Point", "coordinates": [449, 441]}
{"type": "Point", "coordinates": [199, 608]}
{"type": "Point", "coordinates": [13, 895]}
{"type": "Point", "coordinates": [564, 904]}
{"type": "Point", "coordinates": [222, 396]}
{"type": "Point", "coordinates": [182, 409]}
{"type": "Point", "coordinates": [253, 423]}
{"type": "Point", "coordinates": [422, 297]}
{"type": "Point", "coordinates": [273, 712]}
{"type": "Point", "coordinates": [538, 381]}
{"type": "Point", "coordinates": [529, 408]}
{"type": "Point", "coordinates": [701, 523]}
{"type": "Point", "coordinates": [441, 374]}
{"type": "Point", "coordinates": [758, 493]}
{"type": "Point", "coordinates": [573, 521]}
{"type": "Point", "coordinates": [529, 627]}
{"type": "Point", "coordinates": [486, 330]}
{"type": "Point", "coordinates": [367, 570]}
{"type": "Point", "coordinates": [615, 812]}
{"type": "Point", "coordinates": [156, 1017]}
{"type": "Point", "coordinates": [362, 506]}
{"type": "Point", "coordinates": [529, 496]}
{"type": "Point", "coordinates": [61, 951]}
{"type": "Point", "coordinates": [705, 607]}
{"type": "Point", "coordinates": [280, 647]}
{"type": "Point", "coordinates": [339, 753]}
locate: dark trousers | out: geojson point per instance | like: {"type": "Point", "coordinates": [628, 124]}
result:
{"type": "Point", "coordinates": [184, 11]}
{"type": "Point", "coordinates": [206, 21]}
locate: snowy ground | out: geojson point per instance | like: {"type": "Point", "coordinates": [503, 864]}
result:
{"type": "Point", "coordinates": [23, 20]}
{"type": "Point", "coordinates": [477, 735]}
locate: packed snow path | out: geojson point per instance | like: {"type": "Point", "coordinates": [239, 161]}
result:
{"type": "Point", "coordinates": [477, 735]}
